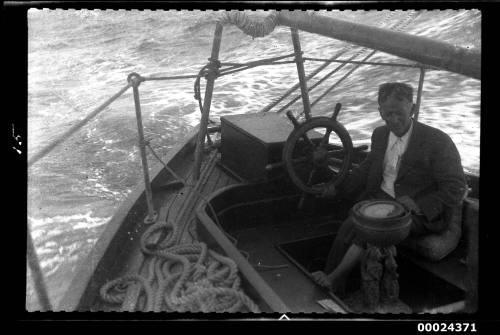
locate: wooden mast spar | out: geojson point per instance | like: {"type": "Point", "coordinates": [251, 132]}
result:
{"type": "Point", "coordinates": [420, 49]}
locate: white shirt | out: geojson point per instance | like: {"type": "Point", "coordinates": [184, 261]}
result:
{"type": "Point", "coordinates": [396, 147]}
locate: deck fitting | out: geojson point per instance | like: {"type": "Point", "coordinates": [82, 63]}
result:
{"type": "Point", "coordinates": [151, 220]}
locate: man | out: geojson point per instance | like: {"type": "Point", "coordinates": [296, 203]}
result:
{"type": "Point", "coordinates": [415, 164]}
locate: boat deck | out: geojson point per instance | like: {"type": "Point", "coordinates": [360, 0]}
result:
{"type": "Point", "coordinates": [177, 204]}
{"type": "Point", "coordinates": [260, 243]}
{"type": "Point", "coordinates": [297, 290]}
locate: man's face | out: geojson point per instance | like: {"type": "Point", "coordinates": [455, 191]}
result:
{"type": "Point", "coordinates": [397, 114]}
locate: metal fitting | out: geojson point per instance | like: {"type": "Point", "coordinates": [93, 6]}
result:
{"type": "Point", "coordinates": [135, 79]}
{"type": "Point", "coordinates": [151, 218]}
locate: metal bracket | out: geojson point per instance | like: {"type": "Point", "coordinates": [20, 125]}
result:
{"type": "Point", "coordinates": [135, 79]}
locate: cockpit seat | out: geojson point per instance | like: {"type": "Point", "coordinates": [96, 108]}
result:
{"type": "Point", "coordinates": [435, 247]}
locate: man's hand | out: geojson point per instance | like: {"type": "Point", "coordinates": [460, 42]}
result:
{"type": "Point", "coordinates": [409, 204]}
{"type": "Point", "coordinates": [321, 278]}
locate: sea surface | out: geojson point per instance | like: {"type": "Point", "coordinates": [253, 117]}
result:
{"type": "Point", "coordinates": [79, 58]}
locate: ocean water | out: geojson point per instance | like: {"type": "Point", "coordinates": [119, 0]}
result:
{"type": "Point", "coordinates": [79, 58]}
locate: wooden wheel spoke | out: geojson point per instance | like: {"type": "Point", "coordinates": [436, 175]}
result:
{"type": "Point", "coordinates": [309, 180]}
{"type": "Point", "coordinates": [334, 170]}
{"type": "Point", "coordinates": [335, 152]}
{"type": "Point", "coordinates": [330, 171]}
{"type": "Point", "coordinates": [304, 148]}
{"type": "Point", "coordinates": [313, 157]}
{"type": "Point", "coordinates": [325, 138]}
{"type": "Point", "coordinates": [308, 140]}
{"type": "Point", "coordinates": [335, 161]}
{"type": "Point", "coordinates": [301, 160]}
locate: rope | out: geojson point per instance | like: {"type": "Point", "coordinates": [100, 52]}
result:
{"type": "Point", "coordinates": [214, 68]}
{"type": "Point", "coordinates": [189, 277]}
{"type": "Point", "coordinates": [119, 285]}
{"type": "Point", "coordinates": [160, 225]}
{"type": "Point", "coordinates": [182, 277]}
{"type": "Point", "coordinates": [255, 26]}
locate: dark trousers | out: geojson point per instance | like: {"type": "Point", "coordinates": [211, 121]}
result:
{"type": "Point", "coordinates": [346, 235]}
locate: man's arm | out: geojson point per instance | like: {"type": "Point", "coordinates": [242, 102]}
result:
{"type": "Point", "coordinates": [448, 173]}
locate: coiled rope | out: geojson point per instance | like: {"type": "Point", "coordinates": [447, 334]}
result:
{"type": "Point", "coordinates": [253, 25]}
{"type": "Point", "coordinates": [183, 277]}
{"type": "Point", "coordinates": [189, 277]}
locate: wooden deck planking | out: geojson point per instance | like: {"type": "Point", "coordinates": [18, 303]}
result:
{"type": "Point", "coordinates": [261, 245]}
{"type": "Point", "coordinates": [225, 179]}
{"type": "Point", "coordinates": [181, 207]}
{"type": "Point", "coordinates": [184, 211]}
{"type": "Point", "coordinates": [218, 179]}
{"type": "Point", "coordinates": [132, 255]}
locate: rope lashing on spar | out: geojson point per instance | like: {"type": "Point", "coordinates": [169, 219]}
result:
{"type": "Point", "coordinates": [212, 69]}
{"type": "Point", "coordinates": [183, 277]}
{"type": "Point", "coordinates": [255, 25]}
{"type": "Point", "coordinates": [215, 68]}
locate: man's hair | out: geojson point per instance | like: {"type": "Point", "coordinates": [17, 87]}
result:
{"type": "Point", "coordinates": [400, 90]}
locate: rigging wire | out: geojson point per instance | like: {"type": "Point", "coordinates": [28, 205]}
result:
{"type": "Point", "coordinates": [398, 26]}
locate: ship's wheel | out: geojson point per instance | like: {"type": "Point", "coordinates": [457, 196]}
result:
{"type": "Point", "coordinates": [318, 153]}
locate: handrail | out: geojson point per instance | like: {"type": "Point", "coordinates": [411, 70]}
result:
{"type": "Point", "coordinates": [42, 153]}
{"type": "Point", "coordinates": [341, 79]}
{"type": "Point", "coordinates": [415, 65]}
{"type": "Point", "coordinates": [398, 26]}
{"type": "Point", "coordinates": [135, 80]}
{"type": "Point", "coordinates": [329, 74]}
{"type": "Point", "coordinates": [294, 87]}
{"type": "Point", "coordinates": [193, 76]}
{"type": "Point", "coordinates": [338, 68]}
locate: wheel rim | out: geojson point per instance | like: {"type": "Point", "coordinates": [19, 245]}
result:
{"type": "Point", "coordinates": [317, 155]}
